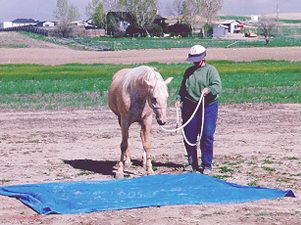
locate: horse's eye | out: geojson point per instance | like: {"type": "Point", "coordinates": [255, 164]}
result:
{"type": "Point", "coordinates": [153, 100]}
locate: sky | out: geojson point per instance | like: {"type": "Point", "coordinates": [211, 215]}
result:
{"type": "Point", "coordinates": [43, 9]}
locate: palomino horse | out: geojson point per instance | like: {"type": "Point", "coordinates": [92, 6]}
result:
{"type": "Point", "coordinates": [134, 95]}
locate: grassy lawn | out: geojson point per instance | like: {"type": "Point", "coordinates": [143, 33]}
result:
{"type": "Point", "coordinates": [288, 36]}
{"type": "Point", "coordinates": [35, 87]}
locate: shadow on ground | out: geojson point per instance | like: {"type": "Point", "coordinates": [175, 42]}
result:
{"type": "Point", "coordinates": [108, 167]}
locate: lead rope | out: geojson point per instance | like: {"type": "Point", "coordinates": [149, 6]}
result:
{"type": "Point", "coordinates": [188, 121]}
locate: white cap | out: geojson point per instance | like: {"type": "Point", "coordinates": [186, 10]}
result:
{"type": "Point", "coordinates": [196, 54]}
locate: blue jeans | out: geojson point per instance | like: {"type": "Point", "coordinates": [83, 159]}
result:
{"type": "Point", "coordinates": [193, 129]}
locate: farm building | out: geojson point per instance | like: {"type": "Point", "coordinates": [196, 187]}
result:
{"type": "Point", "coordinates": [20, 22]}
{"type": "Point", "coordinates": [6, 24]}
{"type": "Point", "coordinates": [234, 26]}
{"type": "Point", "coordinates": [119, 22]}
{"type": "Point", "coordinates": [45, 24]}
{"type": "Point", "coordinates": [24, 22]}
{"type": "Point", "coordinates": [219, 30]}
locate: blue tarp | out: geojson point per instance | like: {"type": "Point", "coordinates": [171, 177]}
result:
{"type": "Point", "coordinates": [157, 190]}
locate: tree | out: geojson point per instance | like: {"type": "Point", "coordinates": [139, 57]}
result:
{"type": "Point", "coordinates": [200, 12]}
{"type": "Point", "coordinates": [191, 11]}
{"type": "Point", "coordinates": [65, 14]}
{"type": "Point", "coordinates": [267, 27]}
{"type": "Point", "coordinates": [210, 9]}
{"type": "Point", "coordinates": [110, 5]}
{"type": "Point", "coordinates": [144, 11]}
{"type": "Point", "coordinates": [96, 12]}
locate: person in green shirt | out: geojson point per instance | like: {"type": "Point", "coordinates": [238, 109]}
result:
{"type": "Point", "coordinates": [199, 78]}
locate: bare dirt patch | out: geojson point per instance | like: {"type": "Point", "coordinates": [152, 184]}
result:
{"type": "Point", "coordinates": [256, 144]}
{"type": "Point", "coordinates": [15, 40]}
{"type": "Point", "coordinates": [39, 52]}
{"type": "Point", "coordinates": [65, 56]}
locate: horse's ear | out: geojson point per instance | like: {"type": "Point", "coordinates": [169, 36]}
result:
{"type": "Point", "coordinates": [149, 84]}
{"type": "Point", "coordinates": [168, 80]}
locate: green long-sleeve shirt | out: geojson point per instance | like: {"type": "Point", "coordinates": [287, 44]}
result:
{"type": "Point", "coordinates": [196, 79]}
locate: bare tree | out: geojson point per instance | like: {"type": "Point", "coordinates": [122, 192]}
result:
{"type": "Point", "coordinates": [65, 14]}
{"type": "Point", "coordinates": [267, 27]}
{"type": "Point", "coordinates": [110, 5]}
{"type": "Point", "coordinates": [95, 10]}
{"type": "Point", "coordinates": [98, 10]}
{"type": "Point", "coordinates": [210, 9]}
{"type": "Point", "coordinates": [178, 9]}
{"type": "Point", "coordinates": [144, 11]}
{"type": "Point", "coordinates": [200, 12]}
{"type": "Point", "coordinates": [191, 11]}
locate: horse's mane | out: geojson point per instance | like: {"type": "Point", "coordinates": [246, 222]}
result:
{"type": "Point", "coordinates": [137, 75]}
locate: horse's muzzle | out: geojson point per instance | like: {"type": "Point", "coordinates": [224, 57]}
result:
{"type": "Point", "coordinates": [160, 115]}
{"type": "Point", "coordinates": [161, 123]}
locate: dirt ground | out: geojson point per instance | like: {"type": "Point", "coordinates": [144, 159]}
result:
{"type": "Point", "coordinates": [39, 52]}
{"type": "Point", "coordinates": [58, 56]}
{"type": "Point", "coordinates": [259, 144]}
{"type": "Point", "coordinates": [256, 144]}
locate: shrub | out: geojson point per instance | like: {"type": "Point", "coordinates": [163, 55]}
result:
{"type": "Point", "coordinates": [155, 30]}
{"type": "Point", "coordinates": [135, 31]}
{"type": "Point", "coordinates": [181, 29]}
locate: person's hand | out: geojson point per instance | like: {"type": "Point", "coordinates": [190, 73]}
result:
{"type": "Point", "coordinates": [177, 104]}
{"type": "Point", "coordinates": [205, 91]}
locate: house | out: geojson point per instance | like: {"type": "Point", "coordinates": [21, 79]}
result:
{"type": "Point", "coordinates": [6, 24]}
{"type": "Point", "coordinates": [118, 22]}
{"type": "Point", "coordinates": [45, 24]}
{"type": "Point", "coordinates": [78, 23]}
{"type": "Point", "coordinates": [234, 26]}
{"type": "Point", "coordinates": [20, 22]}
{"type": "Point", "coordinates": [89, 24]}
{"type": "Point", "coordinates": [254, 18]}
{"type": "Point", "coordinates": [24, 22]}
{"type": "Point", "coordinates": [219, 30]}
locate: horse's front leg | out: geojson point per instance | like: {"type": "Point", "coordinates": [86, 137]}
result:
{"type": "Point", "coordinates": [145, 134]}
{"type": "Point", "coordinates": [124, 146]}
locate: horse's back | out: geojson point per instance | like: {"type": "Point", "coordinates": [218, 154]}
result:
{"type": "Point", "coordinates": [120, 73]}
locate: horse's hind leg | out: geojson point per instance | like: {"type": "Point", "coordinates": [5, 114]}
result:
{"type": "Point", "coordinates": [145, 138]}
{"type": "Point", "coordinates": [124, 157]}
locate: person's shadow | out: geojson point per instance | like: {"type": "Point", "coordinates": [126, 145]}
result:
{"type": "Point", "coordinates": [107, 167]}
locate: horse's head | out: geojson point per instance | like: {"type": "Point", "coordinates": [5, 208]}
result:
{"type": "Point", "coordinates": [157, 98]}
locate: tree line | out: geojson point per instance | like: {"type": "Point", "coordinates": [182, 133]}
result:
{"type": "Point", "coordinates": [193, 13]}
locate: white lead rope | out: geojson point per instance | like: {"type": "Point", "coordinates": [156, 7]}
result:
{"type": "Point", "coordinates": [188, 121]}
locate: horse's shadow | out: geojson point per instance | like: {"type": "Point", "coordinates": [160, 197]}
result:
{"type": "Point", "coordinates": [108, 167]}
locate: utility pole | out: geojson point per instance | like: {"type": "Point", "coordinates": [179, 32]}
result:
{"type": "Point", "coordinates": [277, 16]}
{"type": "Point", "coordinates": [277, 10]}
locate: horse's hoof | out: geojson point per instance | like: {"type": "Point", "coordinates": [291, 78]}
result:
{"type": "Point", "coordinates": [119, 175]}
{"type": "Point", "coordinates": [150, 172]}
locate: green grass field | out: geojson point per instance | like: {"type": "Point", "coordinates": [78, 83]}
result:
{"type": "Point", "coordinates": [35, 87]}
{"type": "Point", "coordinates": [288, 36]}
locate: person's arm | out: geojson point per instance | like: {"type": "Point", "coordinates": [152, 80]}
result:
{"type": "Point", "coordinates": [215, 86]}
{"type": "Point", "coordinates": [182, 91]}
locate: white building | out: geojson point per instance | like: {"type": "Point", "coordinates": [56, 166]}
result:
{"type": "Point", "coordinates": [254, 18]}
{"type": "Point", "coordinates": [18, 23]}
{"type": "Point", "coordinates": [6, 24]}
{"type": "Point", "coordinates": [46, 24]}
{"type": "Point", "coordinates": [234, 26]}
{"type": "Point", "coordinates": [24, 22]}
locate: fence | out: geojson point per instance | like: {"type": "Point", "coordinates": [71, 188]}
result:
{"type": "Point", "coordinates": [28, 28]}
